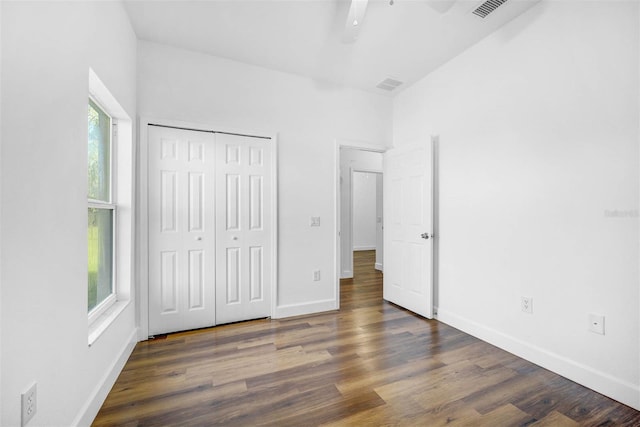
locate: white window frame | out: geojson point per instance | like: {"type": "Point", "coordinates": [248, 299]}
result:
{"type": "Point", "coordinates": [122, 180]}
{"type": "Point", "coordinates": [105, 304]}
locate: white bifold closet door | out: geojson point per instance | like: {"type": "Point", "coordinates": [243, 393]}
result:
{"type": "Point", "coordinates": [209, 243]}
{"type": "Point", "coordinates": [243, 246]}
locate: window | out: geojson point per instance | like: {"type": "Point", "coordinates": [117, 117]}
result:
{"type": "Point", "coordinates": [101, 210]}
{"type": "Point", "coordinates": [110, 213]}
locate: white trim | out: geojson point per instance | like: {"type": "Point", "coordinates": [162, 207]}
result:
{"type": "Point", "coordinates": [274, 223]}
{"type": "Point", "coordinates": [90, 409]}
{"type": "Point", "coordinates": [122, 160]}
{"type": "Point", "coordinates": [142, 254]}
{"type": "Point", "coordinates": [378, 266]}
{"type": "Point", "coordinates": [101, 322]}
{"type": "Point", "coordinates": [313, 307]}
{"type": "Point", "coordinates": [638, 23]}
{"type": "Point", "coordinates": [364, 248]}
{"type": "Point", "coordinates": [362, 145]}
{"type": "Point", "coordinates": [97, 204]}
{"type": "Point", "coordinates": [100, 93]}
{"type": "Point", "coordinates": [337, 260]}
{"type": "Point", "coordinates": [616, 388]}
{"type": "Point", "coordinates": [349, 242]}
{"type": "Point", "coordinates": [364, 170]}
{"type": "Point", "coordinates": [347, 274]}
{"type": "Point", "coordinates": [104, 305]}
{"type": "Point", "coordinates": [1, 363]}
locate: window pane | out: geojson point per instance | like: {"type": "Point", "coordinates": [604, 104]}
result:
{"type": "Point", "coordinates": [99, 153]}
{"type": "Point", "coordinates": [100, 255]}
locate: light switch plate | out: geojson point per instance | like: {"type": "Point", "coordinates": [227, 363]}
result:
{"type": "Point", "coordinates": [596, 323]}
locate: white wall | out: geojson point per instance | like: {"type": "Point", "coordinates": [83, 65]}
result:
{"type": "Point", "coordinates": [309, 116]}
{"type": "Point", "coordinates": [351, 159]}
{"type": "Point", "coordinates": [47, 49]}
{"type": "Point", "coordinates": [538, 128]}
{"type": "Point", "coordinates": [364, 211]}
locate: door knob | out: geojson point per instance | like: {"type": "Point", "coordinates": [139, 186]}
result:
{"type": "Point", "coordinates": [234, 238]}
{"type": "Point", "coordinates": [426, 236]}
{"type": "Point", "coordinates": [198, 238]}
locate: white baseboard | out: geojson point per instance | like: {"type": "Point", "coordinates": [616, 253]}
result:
{"type": "Point", "coordinates": [347, 274]}
{"type": "Point", "coordinates": [97, 398]}
{"type": "Point", "coordinates": [364, 248]}
{"type": "Point", "coordinates": [615, 388]}
{"type": "Point", "coordinates": [378, 266]}
{"type": "Point", "coordinates": [291, 310]}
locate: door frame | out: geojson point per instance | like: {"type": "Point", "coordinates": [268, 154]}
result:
{"type": "Point", "coordinates": [358, 145]}
{"type": "Point", "coordinates": [355, 145]}
{"type": "Point", "coordinates": [142, 250]}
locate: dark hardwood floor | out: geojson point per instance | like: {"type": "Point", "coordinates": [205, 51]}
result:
{"type": "Point", "coordinates": [370, 364]}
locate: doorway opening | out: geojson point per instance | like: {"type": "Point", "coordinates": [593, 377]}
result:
{"type": "Point", "coordinates": [410, 195]}
{"type": "Point", "coordinates": [359, 209]}
{"type": "Point", "coordinates": [366, 215]}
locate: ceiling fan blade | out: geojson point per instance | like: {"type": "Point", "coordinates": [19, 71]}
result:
{"type": "Point", "coordinates": [354, 20]}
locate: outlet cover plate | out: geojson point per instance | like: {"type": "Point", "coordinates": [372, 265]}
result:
{"type": "Point", "coordinates": [29, 403]}
{"type": "Point", "coordinates": [526, 304]}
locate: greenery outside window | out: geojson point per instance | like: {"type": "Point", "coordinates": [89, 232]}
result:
{"type": "Point", "coordinates": [101, 211]}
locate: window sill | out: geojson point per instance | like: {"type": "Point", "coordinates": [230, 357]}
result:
{"type": "Point", "coordinates": [105, 320]}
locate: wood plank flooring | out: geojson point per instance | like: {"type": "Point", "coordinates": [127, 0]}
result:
{"type": "Point", "coordinates": [370, 364]}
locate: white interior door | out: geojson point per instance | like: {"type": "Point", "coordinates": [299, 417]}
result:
{"type": "Point", "coordinates": [181, 230]}
{"type": "Point", "coordinates": [408, 228]}
{"type": "Point", "coordinates": [243, 244]}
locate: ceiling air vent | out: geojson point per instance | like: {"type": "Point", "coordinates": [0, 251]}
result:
{"type": "Point", "coordinates": [389, 84]}
{"type": "Point", "coordinates": [487, 7]}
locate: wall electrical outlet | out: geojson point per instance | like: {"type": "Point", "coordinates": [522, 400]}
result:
{"type": "Point", "coordinates": [316, 275]}
{"type": "Point", "coordinates": [596, 323]}
{"type": "Point", "coordinates": [526, 303]}
{"type": "Point", "coordinates": [29, 404]}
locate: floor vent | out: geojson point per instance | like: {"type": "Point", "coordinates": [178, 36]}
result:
{"type": "Point", "coordinates": [389, 84]}
{"type": "Point", "coordinates": [487, 7]}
